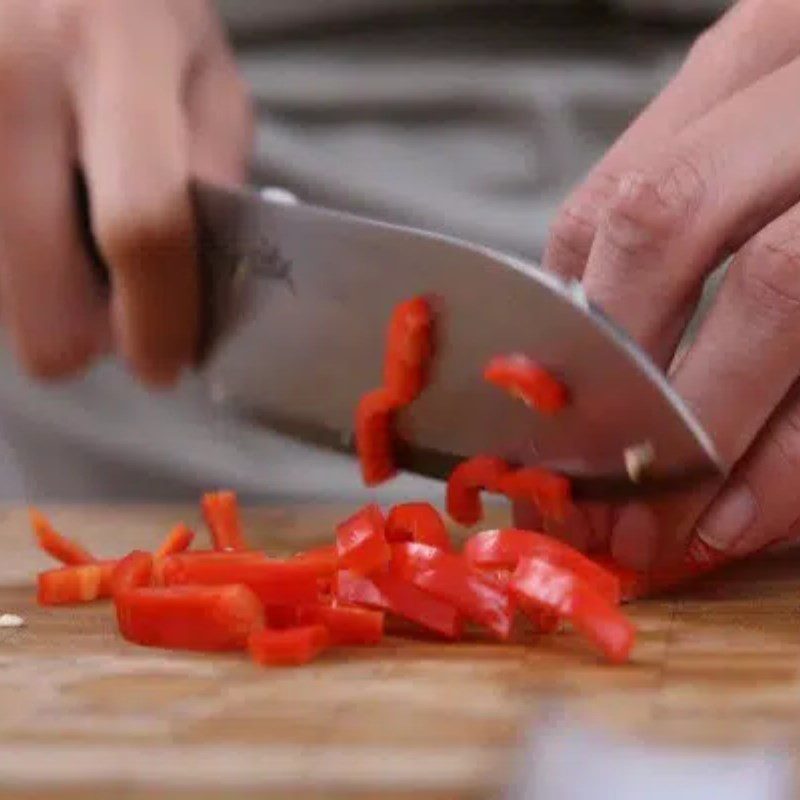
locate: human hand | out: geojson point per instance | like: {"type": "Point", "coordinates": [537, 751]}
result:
{"type": "Point", "coordinates": [711, 168]}
{"type": "Point", "coordinates": [139, 96]}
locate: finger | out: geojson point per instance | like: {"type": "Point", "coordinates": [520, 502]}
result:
{"type": "Point", "coordinates": [53, 309]}
{"type": "Point", "coordinates": [220, 117]}
{"type": "Point", "coordinates": [743, 362]}
{"type": "Point", "coordinates": [671, 223]}
{"type": "Point", "coordinates": [134, 148]}
{"type": "Point", "coordinates": [752, 40]}
{"type": "Point", "coordinates": [760, 504]}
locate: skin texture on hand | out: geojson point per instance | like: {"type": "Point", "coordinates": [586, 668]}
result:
{"type": "Point", "coordinates": [710, 169]}
{"type": "Point", "coordinates": [139, 96]}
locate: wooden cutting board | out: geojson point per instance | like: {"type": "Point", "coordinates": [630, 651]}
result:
{"type": "Point", "coordinates": [86, 715]}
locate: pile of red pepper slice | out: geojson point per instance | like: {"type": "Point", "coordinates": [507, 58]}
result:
{"type": "Point", "coordinates": [287, 611]}
{"type": "Point", "coordinates": [399, 566]}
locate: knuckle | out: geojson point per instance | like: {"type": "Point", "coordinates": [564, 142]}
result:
{"type": "Point", "coordinates": [572, 233]}
{"type": "Point", "coordinates": [770, 277]}
{"type": "Point", "coordinates": [573, 230]}
{"type": "Point", "coordinates": [652, 209]}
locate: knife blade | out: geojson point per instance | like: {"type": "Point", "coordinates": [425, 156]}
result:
{"type": "Point", "coordinates": [299, 299]}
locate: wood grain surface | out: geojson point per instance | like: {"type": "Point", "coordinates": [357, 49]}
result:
{"type": "Point", "coordinates": [86, 714]}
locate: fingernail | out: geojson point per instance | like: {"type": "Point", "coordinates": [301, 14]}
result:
{"type": "Point", "coordinates": [728, 518]}
{"type": "Point", "coordinates": [634, 537]}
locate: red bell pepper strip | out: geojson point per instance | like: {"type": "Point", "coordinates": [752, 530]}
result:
{"type": "Point", "coordinates": [409, 350]}
{"type": "Point", "coordinates": [347, 625]}
{"type": "Point", "coordinates": [287, 648]}
{"type": "Point", "coordinates": [324, 559]}
{"type": "Point", "coordinates": [504, 548]}
{"type": "Point", "coordinates": [189, 617]}
{"type": "Point", "coordinates": [467, 481]}
{"type": "Point", "coordinates": [525, 379]}
{"type": "Point", "coordinates": [417, 522]}
{"type": "Point", "coordinates": [76, 584]}
{"type": "Point", "coordinates": [132, 572]}
{"type": "Point", "coordinates": [549, 492]}
{"type": "Point", "coordinates": [452, 579]}
{"type": "Point", "coordinates": [361, 541]}
{"type": "Point", "coordinates": [374, 445]}
{"type": "Point", "coordinates": [539, 585]}
{"type": "Point", "coordinates": [53, 543]}
{"type": "Point", "coordinates": [178, 540]}
{"type": "Point", "coordinates": [221, 513]}
{"type": "Point", "coordinates": [274, 582]}
{"type": "Point", "coordinates": [391, 593]}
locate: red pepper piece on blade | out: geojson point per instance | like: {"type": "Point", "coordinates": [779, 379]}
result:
{"type": "Point", "coordinates": [467, 481]}
{"type": "Point", "coordinates": [504, 548]}
{"type": "Point", "coordinates": [178, 540]}
{"type": "Point", "coordinates": [287, 648]}
{"type": "Point", "coordinates": [549, 492]}
{"type": "Point", "coordinates": [417, 522]}
{"type": "Point", "coordinates": [208, 618]}
{"type": "Point", "coordinates": [54, 544]}
{"type": "Point", "coordinates": [452, 579]}
{"type": "Point", "coordinates": [347, 625]}
{"type": "Point", "coordinates": [221, 513]}
{"type": "Point", "coordinates": [374, 437]}
{"type": "Point", "coordinates": [81, 583]}
{"type": "Point", "coordinates": [361, 541]}
{"type": "Point", "coordinates": [540, 586]}
{"type": "Point", "coordinates": [273, 581]}
{"type": "Point", "coordinates": [132, 572]}
{"type": "Point", "coordinates": [525, 379]}
{"type": "Point", "coordinates": [391, 593]}
{"type": "Point", "coordinates": [409, 350]}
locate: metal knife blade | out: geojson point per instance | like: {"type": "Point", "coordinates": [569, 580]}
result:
{"type": "Point", "coordinates": [299, 299]}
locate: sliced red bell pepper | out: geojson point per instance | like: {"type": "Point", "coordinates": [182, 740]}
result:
{"type": "Point", "coordinates": [76, 584]}
{"type": "Point", "coordinates": [274, 582]}
{"type": "Point", "coordinates": [287, 648]}
{"type": "Point", "coordinates": [549, 492]}
{"type": "Point", "coordinates": [347, 625]}
{"type": "Point", "coordinates": [221, 513]}
{"type": "Point", "coordinates": [525, 379]}
{"type": "Point", "coordinates": [417, 522]}
{"type": "Point", "coordinates": [53, 543]}
{"type": "Point", "coordinates": [391, 593]}
{"type": "Point", "coordinates": [409, 350]}
{"type": "Point", "coordinates": [374, 436]}
{"type": "Point", "coordinates": [189, 617]}
{"type": "Point", "coordinates": [504, 548]}
{"type": "Point", "coordinates": [178, 540]}
{"type": "Point", "coordinates": [466, 483]}
{"type": "Point", "coordinates": [539, 585]}
{"type": "Point", "coordinates": [361, 541]}
{"type": "Point", "coordinates": [324, 559]}
{"type": "Point", "coordinates": [451, 578]}
{"type": "Point", "coordinates": [132, 572]}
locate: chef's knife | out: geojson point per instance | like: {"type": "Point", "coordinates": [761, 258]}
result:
{"type": "Point", "coordinates": [298, 301]}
